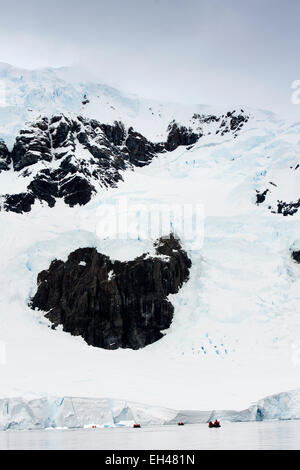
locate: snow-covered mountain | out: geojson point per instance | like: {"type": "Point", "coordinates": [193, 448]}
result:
{"type": "Point", "coordinates": [80, 136]}
{"type": "Point", "coordinates": [74, 157]}
{"type": "Point", "coordinates": [73, 151]}
{"type": "Point", "coordinates": [26, 95]}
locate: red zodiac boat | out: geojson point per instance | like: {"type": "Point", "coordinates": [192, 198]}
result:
{"type": "Point", "coordinates": [215, 424]}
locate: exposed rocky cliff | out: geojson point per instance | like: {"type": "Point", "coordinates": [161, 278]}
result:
{"type": "Point", "coordinates": [114, 304]}
{"type": "Point", "coordinates": [276, 194]}
{"type": "Point", "coordinates": [4, 156]}
{"type": "Point", "coordinates": [72, 158]}
{"type": "Point", "coordinates": [296, 256]}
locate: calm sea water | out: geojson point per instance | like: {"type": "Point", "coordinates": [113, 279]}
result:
{"type": "Point", "coordinates": [257, 435]}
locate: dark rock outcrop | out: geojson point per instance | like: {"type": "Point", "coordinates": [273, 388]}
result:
{"type": "Point", "coordinates": [79, 156]}
{"type": "Point", "coordinates": [87, 153]}
{"type": "Point", "coordinates": [19, 203]}
{"type": "Point", "coordinates": [180, 135]}
{"type": "Point", "coordinates": [4, 157]}
{"type": "Point", "coordinates": [32, 145]}
{"type": "Point", "coordinates": [114, 304]}
{"type": "Point", "coordinates": [233, 122]}
{"type": "Point", "coordinates": [296, 256]}
{"type": "Point", "coordinates": [287, 208]}
{"type": "Point", "coordinates": [140, 150]}
{"type": "Point", "coordinates": [281, 207]}
{"type": "Point", "coordinates": [276, 204]}
{"type": "Point", "coordinates": [236, 121]}
{"type": "Point", "coordinates": [261, 196]}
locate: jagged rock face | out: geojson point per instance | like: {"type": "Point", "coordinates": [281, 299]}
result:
{"type": "Point", "coordinates": [261, 196]}
{"type": "Point", "coordinates": [278, 188]}
{"type": "Point", "coordinates": [296, 256]}
{"type": "Point", "coordinates": [4, 156]}
{"type": "Point", "coordinates": [114, 304]}
{"type": "Point", "coordinates": [275, 196]}
{"type": "Point", "coordinates": [72, 158]}
{"type": "Point", "coordinates": [19, 203]}
{"type": "Point", "coordinates": [180, 135]}
{"type": "Point", "coordinates": [288, 208]}
{"type": "Point", "coordinates": [141, 151]}
{"type": "Point", "coordinates": [280, 207]}
{"type": "Point", "coordinates": [82, 154]}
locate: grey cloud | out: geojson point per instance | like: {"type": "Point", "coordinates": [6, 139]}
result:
{"type": "Point", "coordinates": [203, 51]}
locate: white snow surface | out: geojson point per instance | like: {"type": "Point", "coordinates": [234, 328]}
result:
{"type": "Point", "coordinates": [32, 93]}
{"type": "Point", "coordinates": [235, 336]}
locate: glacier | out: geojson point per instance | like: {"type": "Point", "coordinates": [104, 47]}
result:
{"type": "Point", "coordinates": [75, 413]}
{"type": "Point", "coordinates": [29, 94]}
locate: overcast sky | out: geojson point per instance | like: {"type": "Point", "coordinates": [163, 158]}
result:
{"type": "Point", "coordinates": [201, 51]}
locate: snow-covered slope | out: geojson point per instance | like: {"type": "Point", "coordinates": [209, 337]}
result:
{"type": "Point", "coordinates": [68, 139]}
{"type": "Point", "coordinates": [236, 328]}
{"type": "Point", "coordinates": [28, 94]}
